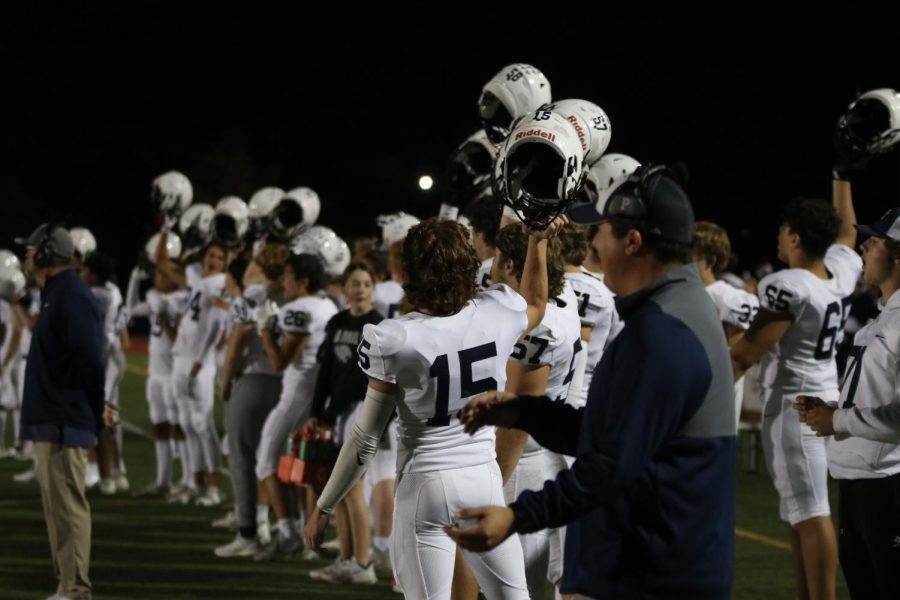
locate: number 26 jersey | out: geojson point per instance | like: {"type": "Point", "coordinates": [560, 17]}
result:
{"type": "Point", "coordinates": [438, 364]}
{"type": "Point", "coordinates": [803, 360]}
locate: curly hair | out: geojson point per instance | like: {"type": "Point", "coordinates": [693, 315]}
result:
{"type": "Point", "coordinates": [711, 243]}
{"type": "Point", "coordinates": [815, 221]}
{"type": "Point", "coordinates": [271, 260]}
{"type": "Point", "coordinates": [512, 243]}
{"type": "Point", "coordinates": [439, 266]}
{"type": "Point", "coordinates": [574, 243]}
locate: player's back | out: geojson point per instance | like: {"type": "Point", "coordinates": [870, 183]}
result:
{"type": "Point", "coordinates": [438, 363]}
{"type": "Point", "coordinates": [803, 360]}
{"type": "Point", "coordinates": [306, 316]}
{"type": "Point", "coordinates": [735, 307]}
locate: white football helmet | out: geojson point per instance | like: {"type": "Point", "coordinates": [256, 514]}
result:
{"type": "Point", "coordinates": [324, 243]}
{"type": "Point", "coordinates": [9, 260]}
{"type": "Point", "coordinates": [12, 284]}
{"type": "Point", "coordinates": [395, 226]}
{"type": "Point", "coordinates": [196, 225]}
{"type": "Point", "coordinates": [172, 193]}
{"type": "Point", "coordinates": [605, 175]}
{"type": "Point", "coordinates": [591, 124]}
{"type": "Point", "coordinates": [469, 167]}
{"type": "Point", "coordinates": [542, 167]}
{"type": "Point", "coordinates": [296, 212]}
{"type": "Point", "coordinates": [173, 245]}
{"type": "Point", "coordinates": [513, 92]}
{"type": "Point", "coordinates": [871, 124]}
{"type": "Point", "coordinates": [231, 221]}
{"type": "Point", "coordinates": [85, 243]}
{"type": "Point", "coordinates": [264, 202]}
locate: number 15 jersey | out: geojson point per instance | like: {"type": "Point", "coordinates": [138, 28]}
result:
{"type": "Point", "coordinates": [803, 360]}
{"type": "Point", "coordinates": [438, 364]}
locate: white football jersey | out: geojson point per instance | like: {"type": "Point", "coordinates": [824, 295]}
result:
{"type": "Point", "coordinates": [159, 350]}
{"type": "Point", "coordinates": [871, 382]}
{"type": "Point", "coordinates": [736, 307]}
{"type": "Point", "coordinates": [305, 316]}
{"type": "Point", "coordinates": [554, 343]}
{"type": "Point", "coordinates": [387, 297]}
{"type": "Point", "coordinates": [201, 324]}
{"type": "Point", "coordinates": [803, 360]}
{"type": "Point", "coordinates": [596, 309]}
{"type": "Point", "coordinates": [7, 322]}
{"type": "Point", "coordinates": [244, 310]}
{"type": "Point", "coordinates": [114, 320]}
{"type": "Point", "coordinates": [483, 277]}
{"type": "Point", "coordinates": [193, 274]}
{"type": "Point", "coordinates": [438, 363]}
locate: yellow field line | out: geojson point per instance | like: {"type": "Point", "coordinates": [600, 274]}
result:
{"type": "Point", "coordinates": [756, 537]}
{"type": "Point", "coordinates": [137, 370]}
{"type": "Point", "coordinates": [762, 539]}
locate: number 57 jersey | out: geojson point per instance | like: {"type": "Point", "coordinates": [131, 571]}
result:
{"type": "Point", "coordinates": [438, 364]}
{"type": "Point", "coordinates": [803, 360]}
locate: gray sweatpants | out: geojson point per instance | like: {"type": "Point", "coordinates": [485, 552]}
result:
{"type": "Point", "coordinates": [252, 399]}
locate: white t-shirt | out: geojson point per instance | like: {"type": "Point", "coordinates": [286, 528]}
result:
{"type": "Point", "coordinates": [736, 307]}
{"type": "Point", "coordinates": [243, 311]}
{"type": "Point", "coordinates": [438, 363]}
{"type": "Point", "coordinates": [803, 360]}
{"type": "Point", "coordinates": [387, 297]}
{"type": "Point", "coordinates": [870, 402]}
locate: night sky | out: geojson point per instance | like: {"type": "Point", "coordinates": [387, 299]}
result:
{"type": "Point", "coordinates": [96, 102]}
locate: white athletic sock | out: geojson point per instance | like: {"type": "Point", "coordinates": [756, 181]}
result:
{"type": "Point", "coordinates": [262, 513]}
{"type": "Point", "coordinates": [212, 453]}
{"type": "Point", "coordinates": [16, 423]}
{"type": "Point", "coordinates": [187, 469]}
{"type": "Point", "coordinates": [287, 528]}
{"type": "Point", "coordinates": [381, 543]}
{"type": "Point", "coordinates": [163, 463]}
{"type": "Point", "coordinates": [91, 474]}
{"type": "Point", "coordinates": [118, 438]}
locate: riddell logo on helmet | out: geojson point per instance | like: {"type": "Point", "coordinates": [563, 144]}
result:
{"type": "Point", "coordinates": [578, 129]}
{"type": "Point", "coordinates": [536, 133]}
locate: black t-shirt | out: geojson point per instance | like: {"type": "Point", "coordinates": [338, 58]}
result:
{"type": "Point", "coordinates": [340, 377]}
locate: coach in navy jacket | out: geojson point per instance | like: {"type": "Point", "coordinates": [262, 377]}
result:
{"type": "Point", "coordinates": [649, 501]}
{"type": "Point", "coordinates": [63, 403]}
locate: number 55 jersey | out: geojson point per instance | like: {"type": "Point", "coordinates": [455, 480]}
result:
{"type": "Point", "coordinates": [803, 360]}
{"type": "Point", "coordinates": [438, 363]}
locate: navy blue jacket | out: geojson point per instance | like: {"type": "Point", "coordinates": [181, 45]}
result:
{"type": "Point", "coordinates": [649, 501]}
{"type": "Point", "coordinates": [64, 374]}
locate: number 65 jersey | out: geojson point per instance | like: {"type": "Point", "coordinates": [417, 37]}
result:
{"type": "Point", "coordinates": [438, 363]}
{"type": "Point", "coordinates": [803, 360]}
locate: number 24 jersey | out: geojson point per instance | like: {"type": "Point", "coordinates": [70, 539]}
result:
{"type": "Point", "coordinates": [803, 360]}
{"type": "Point", "coordinates": [438, 364]}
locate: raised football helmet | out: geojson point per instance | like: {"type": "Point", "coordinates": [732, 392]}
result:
{"type": "Point", "coordinates": [513, 92]}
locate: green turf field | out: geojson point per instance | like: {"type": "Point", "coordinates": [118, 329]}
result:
{"type": "Point", "coordinates": [149, 549]}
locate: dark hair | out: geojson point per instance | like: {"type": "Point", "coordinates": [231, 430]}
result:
{"type": "Point", "coordinates": [271, 259]}
{"type": "Point", "coordinates": [893, 248]}
{"type": "Point", "coordinates": [815, 221]}
{"type": "Point", "coordinates": [100, 266]}
{"type": "Point", "coordinates": [214, 244]}
{"type": "Point", "coordinates": [377, 260]}
{"type": "Point", "coordinates": [308, 266]}
{"type": "Point", "coordinates": [439, 266]}
{"type": "Point", "coordinates": [236, 269]}
{"type": "Point", "coordinates": [574, 243]}
{"type": "Point", "coordinates": [352, 268]}
{"type": "Point", "coordinates": [484, 215]}
{"type": "Point", "coordinates": [711, 243]}
{"type": "Point", "coordinates": [664, 250]}
{"type": "Point", "coordinates": [512, 243]}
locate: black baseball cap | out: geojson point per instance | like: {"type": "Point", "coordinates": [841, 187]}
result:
{"type": "Point", "coordinates": [648, 200]}
{"type": "Point", "coordinates": [888, 226]}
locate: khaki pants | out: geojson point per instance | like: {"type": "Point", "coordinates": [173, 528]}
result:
{"type": "Point", "coordinates": [68, 516]}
